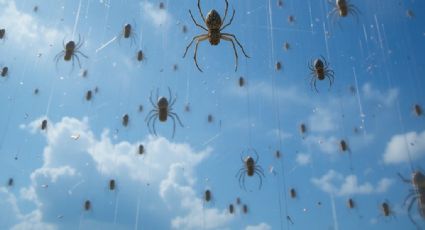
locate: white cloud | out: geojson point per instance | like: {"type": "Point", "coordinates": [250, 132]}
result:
{"type": "Point", "coordinates": [25, 30]}
{"type": "Point", "coordinates": [385, 98]}
{"type": "Point", "coordinates": [260, 226]}
{"type": "Point", "coordinates": [327, 145]}
{"type": "Point", "coordinates": [303, 159]}
{"type": "Point", "coordinates": [158, 17]}
{"type": "Point", "coordinates": [401, 145]}
{"type": "Point", "coordinates": [167, 167]}
{"type": "Point", "coordinates": [336, 183]}
{"type": "Point", "coordinates": [280, 134]}
{"type": "Point", "coordinates": [322, 120]}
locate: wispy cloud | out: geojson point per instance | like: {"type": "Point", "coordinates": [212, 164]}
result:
{"type": "Point", "coordinates": [402, 145]}
{"type": "Point", "coordinates": [303, 159]}
{"type": "Point", "coordinates": [158, 17]}
{"type": "Point", "coordinates": [385, 98]}
{"type": "Point", "coordinates": [260, 226]}
{"type": "Point", "coordinates": [340, 185]}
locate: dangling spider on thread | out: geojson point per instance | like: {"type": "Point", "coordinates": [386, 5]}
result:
{"type": "Point", "coordinates": [320, 70]}
{"type": "Point", "coordinates": [343, 8]}
{"type": "Point", "coordinates": [250, 168]}
{"type": "Point", "coordinates": [71, 51]}
{"type": "Point", "coordinates": [162, 110]}
{"type": "Point", "coordinates": [215, 25]}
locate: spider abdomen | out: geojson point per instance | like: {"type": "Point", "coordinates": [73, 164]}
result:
{"type": "Point", "coordinates": [214, 37]}
{"type": "Point", "coordinates": [343, 8]}
{"type": "Point", "coordinates": [163, 114]}
{"type": "Point", "coordinates": [250, 166]}
{"type": "Point", "coordinates": [213, 20]}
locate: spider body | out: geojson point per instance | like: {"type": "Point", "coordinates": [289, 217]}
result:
{"type": "Point", "coordinates": [320, 70]}
{"type": "Point", "coordinates": [245, 209]}
{"type": "Point", "coordinates": [161, 111]}
{"type": "Point", "coordinates": [277, 154]}
{"type": "Point", "coordinates": [44, 125]}
{"type": "Point", "coordinates": [2, 33]}
{"type": "Point", "coordinates": [343, 145]}
{"type": "Point", "coordinates": [386, 209]}
{"type": "Point", "coordinates": [112, 184]}
{"type": "Point", "coordinates": [350, 203]}
{"type": "Point", "coordinates": [87, 205]}
{"type": "Point", "coordinates": [303, 128]}
{"type": "Point", "coordinates": [278, 65]}
{"type": "Point", "coordinates": [71, 51]}
{"type": "Point", "coordinates": [127, 31]}
{"type": "Point", "coordinates": [293, 193]}
{"type": "Point", "coordinates": [140, 55]}
{"type": "Point", "coordinates": [418, 110]}
{"type": "Point", "coordinates": [10, 182]}
{"type": "Point", "coordinates": [125, 120]}
{"type": "Point", "coordinates": [250, 168]}
{"type": "Point", "coordinates": [4, 71]}
{"type": "Point", "coordinates": [343, 8]}
{"type": "Point", "coordinates": [141, 149]}
{"type": "Point", "coordinates": [417, 194]}
{"type": "Point", "coordinates": [231, 209]}
{"type": "Point", "coordinates": [214, 34]}
{"type": "Point", "coordinates": [241, 81]}
{"type": "Point", "coordinates": [210, 118]}
{"type": "Point", "coordinates": [89, 95]}
{"type": "Point", "coordinates": [36, 91]}
{"type": "Point", "coordinates": [207, 195]}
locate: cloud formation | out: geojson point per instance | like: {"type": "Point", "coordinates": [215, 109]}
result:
{"type": "Point", "coordinates": [158, 17]}
{"type": "Point", "coordinates": [402, 145]}
{"type": "Point", "coordinates": [260, 226]}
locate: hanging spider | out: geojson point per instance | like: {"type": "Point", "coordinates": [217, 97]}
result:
{"type": "Point", "coordinates": [125, 120]}
{"type": "Point", "coordinates": [279, 3]}
{"type": "Point", "coordinates": [71, 51]}
{"type": "Point", "coordinates": [286, 46]}
{"type": "Point", "coordinates": [320, 70]}
{"type": "Point", "coordinates": [410, 14]}
{"type": "Point", "coordinates": [278, 65]}
{"type": "Point", "coordinates": [277, 154]}
{"type": "Point", "coordinates": [187, 107]}
{"type": "Point", "coordinates": [417, 110]}
{"type": "Point", "coordinates": [386, 209]}
{"type": "Point", "coordinates": [417, 194]}
{"type": "Point", "coordinates": [140, 56]}
{"type": "Point", "coordinates": [293, 193]}
{"type": "Point", "coordinates": [303, 128]}
{"type": "Point", "coordinates": [141, 149]}
{"type": "Point", "coordinates": [291, 19]}
{"type": "Point", "coordinates": [207, 195]}
{"type": "Point", "coordinates": [161, 5]}
{"type": "Point", "coordinates": [245, 209]}
{"type": "Point", "coordinates": [127, 32]}
{"type": "Point", "coordinates": [44, 125]}
{"type": "Point", "coordinates": [162, 110]}
{"type": "Point", "coordinates": [343, 8]}
{"type": "Point", "coordinates": [84, 73]}
{"type": "Point", "coordinates": [250, 168]}
{"type": "Point", "coordinates": [35, 9]}
{"type": "Point", "coordinates": [4, 71]}
{"type": "Point", "coordinates": [36, 91]}
{"type": "Point", "coordinates": [89, 95]}
{"type": "Point", "coordinates": [215, 25]}
{"type": "Point", "coordinates": [231, 209]}
{"type": "Point", "coordinates": [112, 184]}
{"type": "Point", "coordinates": [343, 146]}
{"type": "Point", "coordinates": [10, 182]}
{"type": "Point", "coordinates": [175, 67]}
{"type": "Point", "coordinates": [87, 205]}
{"type": "Point", "coordinates": [2, 33]}
{"type": "Point", "coordinates": [210, 118]}
{"type": "Point", "coordinates": [350, 203]}
{"type": "Point", "coordinates": [184, 29]}
{"type": "Point", "coordinates": [241, 81]}
{"type": "Point", "coordinates": [140, 108]}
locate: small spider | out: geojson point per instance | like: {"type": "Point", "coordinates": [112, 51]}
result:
{"type": "Point", "coordinates": [35, 9]}
{"type": "Point", "coordinates": [71, 51]}
{"type": "Point", "coordinates": [343, 8]}
{"type": "Point", "coordinates": [87, 205]}
{"type": "Point", "coordinates": [4, 71]}
{"type": "Point", "coordinates": [210, 118]}
{"type": "Point", "coordinates": [187, 107]}
{"type": "Point", "coordinates": [417, 110]}
{"type": "Point", "coordinates": [286, 46]}
{"type": "Point", "coordinates": [386, 209]}
{"type": "Point", "coordinates": [140, 56]}
{"type": "Point", "coordinates": [140, 108]}
{"type": "Point", "coordinates": [112, 184]}
{"type": "Point", "coordinates": [36, 91]}
{"type": "Point", "coordinates": [277, 154]}
{"type": "Point", "coordinates": [162, 110]}
{"type": "Point", "coordinates": [125, 120]}
{"type": "Point", "coordinates": [44, 125]}
{"type": "Point", "coordinates": [245, 209]}
{"type": "Point", "coordinates": [10, 182]}
{"type": "Point", "coordinates": [84, 73]}
{"type": "Point", "coordinates": [161, 5]}
{"type": "Point", "coordinates": [291, 19]}
{"type": "Point", "coordinates": [141, 149]}
{"type": "Point", "coordinates": [350, 203]}
{"type": "Point", "coordinates": [2, 33]}
{"type": "Point", "coordinates": [215, 25]}
{"type": "Point", "coordinates": [184, 29]}
{"type": "Point", "coordinates": [343, 146]}
{"type": "Point", "coordinates": [278, 65]}
{"type": "Point", "coordinates": [231, 209]}
{"type": "Point", "coordinates": [410, 14]}
{"type": "Point", "coordinates": [207, 195]}
{"type": "Point", "coordinates": [293, 193]}
{"type": "Point", "coordinates": [241, 81]}
{"type": "Point", "coordinates": [320, 70]}
{"type": "Point", "coordinates": [175, 67]}
{"type": "Point", "coordinates": [279, 3]}
{"type": "Point", "coordinates": [127, 32]}
{"type": "Point", "coordinates": [88, 95]}
{"type": "Point", "coordinates": [250, 168]}
{"type": "Point", "coordinates": [303, 128]}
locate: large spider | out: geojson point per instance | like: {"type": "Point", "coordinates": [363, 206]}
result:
{"type": "Point", "coordinates": [343, 8]}
{"type": "Point", "coordinates": [215, 25]}
{"type": "Point", "coordinates": [320, 70]}
{"type": "Point", "coordinates": [250, 168]}
{"type": "Point", "coordinates": [162, 110]}
{"type": "Point", "coordinates": [70, 51]}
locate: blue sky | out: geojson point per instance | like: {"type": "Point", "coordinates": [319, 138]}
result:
{"type": "Point", "coordinates": [380, 53]}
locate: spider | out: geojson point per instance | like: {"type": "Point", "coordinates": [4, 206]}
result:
{"type": "Point", "coordinates": [89, 95]}
{"type": "Point", "coordinates": [231, 209]}
{"type": "Point", "coordinates": [127, 32]}
{"type": "Point", "coordinates": [207, 195]}
{"type": "Point", "coordinates": [293, 193]}
{"type": "Point", "coordinates": [71, 51]}
{"type": "Point", "coordinates": [278, 66]}
{"type": "Point", "coordinates": [140, 56]}
{"type": "Point", "coordinates": [141, 149]}
{"type": "Point", "coordinates": [162, 110]}
{"type": "Point", "coordinates": [2, 33]}
{"type": "Point", "coordinates": [241, 81]}
{"type": "Point", "coordinates": [343, 145]}
{"type": "Point", "coordinates": [87, 205]}
{"type": "Point", "coordinates": [320, 70]}
{"type": "Point", "coordinates": [215, 25]}
{"type": "Point", "coordinates": [4, 71]}
{"type": "Point", "coordinates": [386, 209]}
{"type": "Point", "coordinates": [44, 125]}
{"type": "Point", "coordinates": [112, 184]}
{"type": "Point", "coordinates": [350, 203]}
{"type": "Point", "coordinates": [343, 8]}
{"type": "Point", "coordinates": [245, 209]}
{"type": "Point", "coordinates": [417, 110]}
{"type": "Point", "coordinates": [10, 182]}
{"type": "Point", "coordinates": [250, 168]}
{"type": "Point", "coordinates": [125, 120]}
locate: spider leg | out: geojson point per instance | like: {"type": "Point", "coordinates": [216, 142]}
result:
{"type": "Point", "coordinates": [174, 126]}
{"type": "Point", "coordinates": [261, 180]}
{"type": "Point", "coordinates": [178, 119]}
{"type": "Point", "coordinates": [150, 99]}
{"type": "Point", "coordinates": [196, 23]}
{"type": "Point", "coordinates": [149, 121]}
{"type": "Point", "coordinates": [409, 211]}
{"type": "Point", "coordinates": [230, 22]}
{"type": "Point", "coordinates": [234, 49]}
{"type": "Point", "coordinates": [196, 51]}
{"type": "Point", "coordinates": [79, 52]}
{"type": "Point", "coordinates": [59, 55]}
{"type": "Point", "coordinates": [153, 125]}
{"type": "Point", "coordinates": [239, 171]}
{"type": "Point", "coordinates": [409, 196]}
{"type": "Point", "coordinates": [79, 43]}
{"type": "Point", "coordinates": [259, 169]}
{"type": "Point", "coordinates": [225, 11]}
{"type": "Point", "coordinates": [150, 114]}
{"type": "Point", "coordinates": [315, 87]}
{"type": "Point", "coordinates": [193, 39]}
{"type": "Point", "coordinates": [403, 178]}
{"type": "Point", "coordinates": [237, 41]}
{"type": "Point", "coordinates": [200, 11]}
{"type": "Point", "coordinates": [78, 59]}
